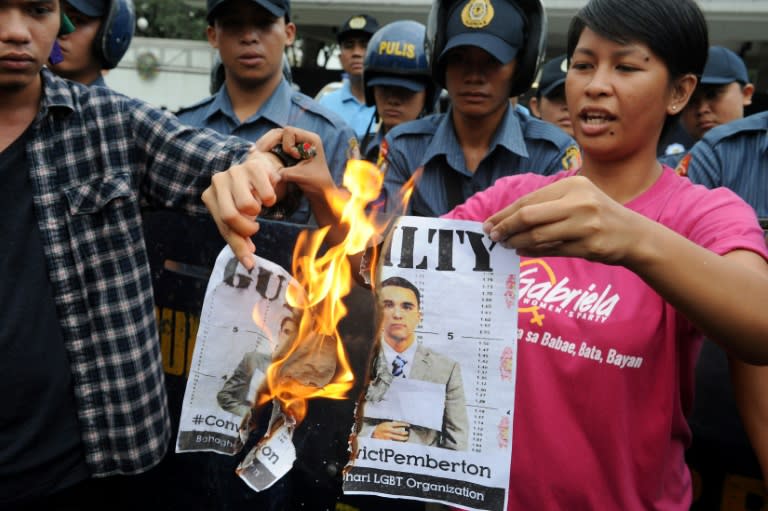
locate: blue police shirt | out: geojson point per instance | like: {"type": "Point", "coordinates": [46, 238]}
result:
{"type": "Point", "coordinates": [285, 107]}
{"type": "Point", "coordinates": [734, 155]}
{"type": "Point", "coordinates": [369, 145]}
{"type": "Point", "coordinates": [671, 160]}
{"type": "Point", "coordinates": [521, 144]}
{"type": "Point", "coordinates": [344, 104]}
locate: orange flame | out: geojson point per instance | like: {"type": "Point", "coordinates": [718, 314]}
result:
{"type": "Point", "coordinates": [316, 365]}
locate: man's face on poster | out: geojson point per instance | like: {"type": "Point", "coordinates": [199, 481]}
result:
{"type": "Point", "coordinates": [287, 332]}
{"type": "Point", "coordinates": [400, 315]}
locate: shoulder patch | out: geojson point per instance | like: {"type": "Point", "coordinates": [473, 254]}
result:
{"type": "Point", "coordinates": [729, 129]}
{"type": "Point", "coordinates": [424, 126]}
{"type": "Point", "coordinates": [682, 167]}
{"type": "Point", "coordinates": [353, 149]}
{"type": "Point", "coordinates": [383, 152]}
{"type": "Point", "coordinates": [572, 158]}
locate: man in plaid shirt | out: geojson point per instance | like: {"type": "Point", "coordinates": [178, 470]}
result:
{"type": "Point", "coordinates": [80, 370]}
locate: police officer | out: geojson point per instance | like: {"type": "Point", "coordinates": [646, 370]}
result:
{"type": "Point", "coordinates": [731, 151]}
{"type": "Point", "coordinates": [255, 96]}
{"type": "Point", "coordinates": [733, 155]}
{"type": "Point", "coordinates": [397, 80]}
{"type": "Point", "coordinates": [482, 54]}
{"type": "Point", "coordinates": [548, 104]}
{"type": "Point", "coordinates": [349, 100]}
{"type": "Point", "coordinates": [103, 32]}
{"type": "Point", "coordinates": [723, 92]}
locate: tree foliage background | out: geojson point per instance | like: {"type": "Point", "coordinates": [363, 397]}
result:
{"type": "Point", "coordinates": [171, 19]}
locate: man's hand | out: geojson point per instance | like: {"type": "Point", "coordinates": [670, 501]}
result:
{"type": "Point", "coordinates": [237, 195]}
{"type": "Point", "coordinates": [235, 199]}
{"type": "Point", "coordinates": [311, 175]}
{"type": "Point", "coordinates": [392, 430]}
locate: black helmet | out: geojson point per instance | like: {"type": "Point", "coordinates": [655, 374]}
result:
{"type": "Point", "coordinates": [117, 27]}
{"type": "Point", "coordinates": [532, 43]}
{"type": "Point", "coordinates": [395, 56]}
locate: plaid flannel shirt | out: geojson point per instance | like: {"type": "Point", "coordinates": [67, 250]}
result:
{"type": "Point", "coordinates": [94, 156]}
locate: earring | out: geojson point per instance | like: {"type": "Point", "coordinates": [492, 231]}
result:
{"type": "Point", "coordinates": [674, 108]}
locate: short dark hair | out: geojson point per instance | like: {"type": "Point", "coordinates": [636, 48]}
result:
{"type": "Point", "coordinates": [674, 30]}
{"type": "Point", "coordinates": [292, 319]}
{"type": "Point", "coordinates": [405, 283]}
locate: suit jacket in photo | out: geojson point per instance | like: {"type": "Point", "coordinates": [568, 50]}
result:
{"type": "Point", "coordinates": [430, 366]}
{"type": "Point", "coordinates": [233, 396]}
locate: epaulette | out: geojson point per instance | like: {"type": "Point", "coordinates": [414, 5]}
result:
{"type": "Point", "coordinates": [308, 104]}
{"type": "Point", "coordinates": [195, 106]}
{"type": "Point", "coordinates": [751, 123]}
{"type": "Point", "coordinates": [424, 126]}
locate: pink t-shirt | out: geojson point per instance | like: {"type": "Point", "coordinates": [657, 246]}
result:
{"type": "Point", "coordinates": [605, 366]}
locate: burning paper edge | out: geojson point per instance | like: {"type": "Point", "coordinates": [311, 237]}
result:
{"type": "Point", "coordinates": [270, 459]}
{"type": "Point", "coordinates": [372, 269]}
{"type": "Point", "coordinates": [281, 437]}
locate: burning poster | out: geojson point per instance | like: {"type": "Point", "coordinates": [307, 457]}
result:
{"type": "Point", "coordinates": [435, 423]}
{"type": "Point", "coordinates": [269, 336]}
{"type": "Point", "coordinates": [244, 321]}
{"type": "Point", "coordinates": [248, 337]}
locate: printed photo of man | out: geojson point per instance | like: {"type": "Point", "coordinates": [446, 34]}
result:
{"type": "Point", "coordinates": [239, 391]}
{"type": "Point", "coordinates": [415, 394]}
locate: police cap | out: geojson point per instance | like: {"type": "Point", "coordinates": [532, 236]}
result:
{"type": "Point", "coordinates": [359, 24]}
{"type": "Point", "coordinates": [723, 66]}
{"type": "Point", "coordinates": [278, 8]}
{"type": "Point", "coordinates": [498, 28]}
{"type": "Point", "coordinates": [552, 75]}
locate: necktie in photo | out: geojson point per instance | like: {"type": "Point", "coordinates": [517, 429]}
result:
{"type": "Point", "coordinates": [397, 366]}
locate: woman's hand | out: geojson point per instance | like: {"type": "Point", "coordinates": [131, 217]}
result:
{"type": "Point", "coordinates": [571, 217]}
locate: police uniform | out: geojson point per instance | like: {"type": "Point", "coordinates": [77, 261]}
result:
{"type": "Point", "coordinates": [396, 58]}
{"type": "Point", "coordinates": [371, 144]}
{"type": "Point", "coordinates": [672, 160]}
{"type": "Point", "coordinates": [521, 144]}
{"type": "Point", "coordinates": [734, 155]}
{"type": "Point", "coordinates": [356, 113]}
{"type": "Point", "coordinates": [285, 107]}
{"type": "Point", "coordinates": [723, 67]}
{"type": "Point", "coordinates": [508, 31]}
{"type": "Point", "coordinates": [343, 103]}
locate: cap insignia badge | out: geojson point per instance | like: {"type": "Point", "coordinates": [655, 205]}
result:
{"type": "Point", "coordinates": [477, 13]}
{"type": "Point", "coordinates": [357, 23]}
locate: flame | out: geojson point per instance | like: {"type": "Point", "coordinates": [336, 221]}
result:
{"type": "Point", "coordinates": [315, 364]}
